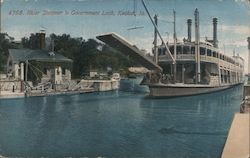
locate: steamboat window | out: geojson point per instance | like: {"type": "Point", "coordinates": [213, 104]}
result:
{"type": "Point", "coordinates": [171, 48]}
{"type": "Point", "coordinates": [214, 54]}
{"type": "Point", "coordinates": [160, 51]}
{"type": "Point", "coordinates": [209, 53]}
{"type": "Point", "coordinates": [186, 50]}
{"type": "Point", "coordinates": [178, 50]}
{"type": "Point", "coordinates": [221, 57]}
{"type": "Point", "coordinates": [192, 50]}
{"type": "Point", "coordinates": [164, 50]}
{"type": "Point", "coordinates": [202, 51]}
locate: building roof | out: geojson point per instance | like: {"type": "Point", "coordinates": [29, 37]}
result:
{"type": "Point", "coordinates": [19, 55]}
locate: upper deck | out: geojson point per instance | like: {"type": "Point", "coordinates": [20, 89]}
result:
{"type": "Point", "coordinates": [185, 52]}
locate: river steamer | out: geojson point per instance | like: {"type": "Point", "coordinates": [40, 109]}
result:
{"type": "Point", "coordinates": [217, 71]}
{"type": "Point", "coordinates": [199, 66]}
{"type": "Point", "coordinates": [184, 68]}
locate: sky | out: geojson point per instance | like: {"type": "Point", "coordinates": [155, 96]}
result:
{"type": "Point", "coordinates": [89, 18]}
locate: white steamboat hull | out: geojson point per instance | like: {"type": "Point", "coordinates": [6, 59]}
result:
{"type": "Point", "coordinates": [173, 90]}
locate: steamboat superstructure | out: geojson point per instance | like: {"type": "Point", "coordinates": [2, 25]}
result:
{"type": "Point", "coordinates": [184, 68]}
{"type": "Point", "coordinates": [217, 71]}
{"type": "Point", "coordinates": [198, 67]}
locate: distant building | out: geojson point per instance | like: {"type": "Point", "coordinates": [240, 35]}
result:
{"type": "Point", "coordinates": [56, 67]}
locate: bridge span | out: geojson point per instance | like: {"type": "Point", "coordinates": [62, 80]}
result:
{"type": "Point", "coordinates": [119, 43]}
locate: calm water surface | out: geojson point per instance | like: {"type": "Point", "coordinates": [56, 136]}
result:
{"type": "Point", "coordinates": [117, 124]}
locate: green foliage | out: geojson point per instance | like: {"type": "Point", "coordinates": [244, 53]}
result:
{"type": "Point", "coordinates": [89, 55]}
{"type": "Point", "coordinates": [32, 42]}
{"type": "Point", "coordinates": [5, 44]}
{"type": "Point", "coordinates": [86, 55]}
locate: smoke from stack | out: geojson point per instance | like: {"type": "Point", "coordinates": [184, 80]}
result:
{"type": "Point", "coordinates": [189, 24]}
{"type": "Point", "coordinates": [215, 40]}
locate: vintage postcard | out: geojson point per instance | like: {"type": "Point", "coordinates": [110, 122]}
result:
{"type": "Point", "coordinates": [125, 78]}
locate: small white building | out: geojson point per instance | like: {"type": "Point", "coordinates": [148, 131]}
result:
{"type": "Point", "coordinates": [54, 67]}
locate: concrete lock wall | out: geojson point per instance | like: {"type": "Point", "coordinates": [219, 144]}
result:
{"type": "Point", "coordinates": [100, 85]}
{"type": "Point", "coordinates": [109, 85]}
{"type": "Point", "coordinates": [104, 86]}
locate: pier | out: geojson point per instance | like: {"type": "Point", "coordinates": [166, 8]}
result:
{"type": "Point", "coordinates": [101, 85]}
{"type": "Point", "coordinates": [237, 144]}
{"type": "Point", "coordinates": [63, 92]}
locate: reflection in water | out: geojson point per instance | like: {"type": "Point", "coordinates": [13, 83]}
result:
{"type": "Point", "coordinates": [134, 125]}
{"type": "Point", "coordinates": [199, 121]}
{"type": "Point", "coordinates": [171, 130]}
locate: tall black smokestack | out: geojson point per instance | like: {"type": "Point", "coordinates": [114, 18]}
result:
{"type": "Point", "coordinates": [189, 24]}
{"type": "Point", "coordinates": [215, 40]}
{"type": "Point", "coordinates": [42, 40]}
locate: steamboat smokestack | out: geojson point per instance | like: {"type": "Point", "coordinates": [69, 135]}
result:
{"type": "Point", "coordinates": [189, 24]}
{"type": "Point", "coordinates": [215, 40]}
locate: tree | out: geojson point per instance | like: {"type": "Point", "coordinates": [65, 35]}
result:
{"type": "Point", "coordinates": [32, 42]}
{"type": "Point", "coordinates": [86, 55]}
{"type": "Point", "coordinates": [5, 44]}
